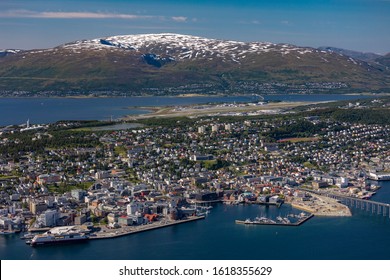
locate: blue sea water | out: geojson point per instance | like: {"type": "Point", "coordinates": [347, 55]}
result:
{"type": "Point", "coordinates": [47, 110]}
{"type": "Point", "coordinates": [360, 237]}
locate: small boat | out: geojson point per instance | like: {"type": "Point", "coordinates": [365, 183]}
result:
{"type": "Point", "coordinates": [27, 236]}
{"type": "Point", "coordinates": [279, 218]}
{"type": "Point", "coordinates": [264, 220]}
{"type": "Point", "coordinates": [202, 213]}
{"type": "Point", "coordinates": [188, 210]}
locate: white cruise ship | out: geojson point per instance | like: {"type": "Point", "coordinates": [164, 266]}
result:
{"type": "Point", "coordinates": [380, 176]}
{"type": "Point", "coordinates": [59, 235]}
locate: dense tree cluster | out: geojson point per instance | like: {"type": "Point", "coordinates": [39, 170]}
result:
{"type": "Point", "coordinates": [301, 128]}
{"type": "Point", "coordinates": [22, 143]}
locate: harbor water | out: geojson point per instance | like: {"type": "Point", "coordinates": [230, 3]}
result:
{"type": "Point", "coordinates": [360, 237]}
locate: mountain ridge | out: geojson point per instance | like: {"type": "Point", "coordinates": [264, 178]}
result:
{"type": "Point", "coordinates": [169, 64]}
{"type": "Point", "coordinates": [364, 56]}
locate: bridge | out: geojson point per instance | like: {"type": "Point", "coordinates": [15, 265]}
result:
{"type": "Point", "coordinates": [374, 207]}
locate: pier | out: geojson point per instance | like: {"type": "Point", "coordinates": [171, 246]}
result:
{"type": "Point", "coordinates": [114, 233]}
{"type": "Point", "coordinates": [277, 204]}
{"type": "Point", "coordinates": [374, 207]}
{"type": "Point", "coordinates": [273, 223]}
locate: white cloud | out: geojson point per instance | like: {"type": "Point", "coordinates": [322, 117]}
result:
{"type": "Point", "coordinates": [250, 22]}
{"type": "Point", "coordinates": [67, 15]}
{"type": "Point", "coordinates": [81, 15]}
{"type": "Point", "coordinates": [87, 15]}
{"type": "Point", "coordinates": [286, 22]}
{"type": "Point", "coordinates": [179, 19]}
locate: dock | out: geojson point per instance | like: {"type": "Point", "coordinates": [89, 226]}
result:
{"type": "Point", "coordinates": [277, 204]}
{"type": "Point", "coordinates": [39, 230]}
{"type": "Point", "coordinates": [114, 233]}
{"type": "Point", "coordinates": [273, 223]}
{"type": "Point", "coordinates": [193, 201]}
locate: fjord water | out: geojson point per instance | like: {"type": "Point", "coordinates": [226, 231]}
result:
{"type": "Point", "coordinates": [362, 236]}
{"type": "Point", "coordinates": [48, 110]}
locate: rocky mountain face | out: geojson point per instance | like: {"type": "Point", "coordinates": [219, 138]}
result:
{"type": "Point", "coordinates": [170, 64]}
{"type": "Point", "coordinates": [384, 60]}
{"type": "Point", "coordinates": [364, 56]}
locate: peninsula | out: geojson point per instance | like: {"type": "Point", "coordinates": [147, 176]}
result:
{"type": "Point", "coordinates": [170, 170]}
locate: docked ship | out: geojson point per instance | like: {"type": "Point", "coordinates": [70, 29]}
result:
{"type": "Point", "coordinates": [59, 235]}
{"type": "Point", "coordinates": [379, 176]}
{"type": "Point", "coordinates": [27, 236]}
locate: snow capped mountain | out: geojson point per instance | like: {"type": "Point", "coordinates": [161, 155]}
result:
{"type": "Point", "coordinates": [181, 47]}
{"type": "Point", "coordinates": [166, 63]}
{"type": "Point", "coordinates": [9, 52]}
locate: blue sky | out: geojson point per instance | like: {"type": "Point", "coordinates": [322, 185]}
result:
{"type": "Point", "coordinates": [362, 25]}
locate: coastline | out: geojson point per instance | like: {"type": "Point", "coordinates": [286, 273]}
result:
{"type": "Point", "coordinates": [92, 96]}
{"type": "Point", "coordinates": [127, 230]}
{"type": "Point", "coordinates": [321, 206]}
{"type": "Point", "coordinates": [186, 95]}
{"type": "Point", "coordinates": [383, 94]}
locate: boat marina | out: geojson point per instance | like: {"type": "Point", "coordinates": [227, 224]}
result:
{"type": "Point", "coordinates": [289, 220]}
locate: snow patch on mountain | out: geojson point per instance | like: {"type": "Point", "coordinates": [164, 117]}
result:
{"type": "Point", "coordinates": [6, 52]}
{"type": "Point", "coordinates": [184, 47]}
